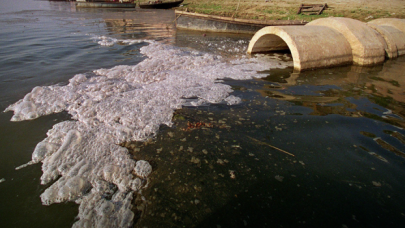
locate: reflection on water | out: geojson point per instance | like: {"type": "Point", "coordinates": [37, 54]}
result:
{"type": "Point", "coordinates": [333, 91]}
{"type": "Point", "coordinates": [135, 30]}
{"type": "Point", "coordinates": [136, 23]}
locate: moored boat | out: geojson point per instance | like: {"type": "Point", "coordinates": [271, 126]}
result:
{"type": "Point", "coordinates": [160, 4]}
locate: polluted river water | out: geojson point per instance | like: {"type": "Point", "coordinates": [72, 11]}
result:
{"type": "Point", "coordinates": [127, 121]}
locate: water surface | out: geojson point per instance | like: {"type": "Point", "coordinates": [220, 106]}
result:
{"type": "Point", "coordinates": [318, 148]}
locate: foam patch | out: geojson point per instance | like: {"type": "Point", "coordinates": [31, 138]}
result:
{"type": "Point", "coordinates": [112, 106]}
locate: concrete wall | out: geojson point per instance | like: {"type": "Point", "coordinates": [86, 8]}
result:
{"type": "Point", "coordinates": [334, 41]}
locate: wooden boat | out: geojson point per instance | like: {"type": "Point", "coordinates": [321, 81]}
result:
{"type": "Point", "coordinates": [104, 4]}
{"type": "Point", "coordinates": [160, 4]}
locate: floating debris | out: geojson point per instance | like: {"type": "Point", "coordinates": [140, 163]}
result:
{"type": "Point", "coordinates": [232, 173]}
{"type": "Point", "coordinates": [263, 143]}
{"type": "Point", "coordinates": [198, 125]}
{"type": "Point", "coordinates": [279, 178]}
{"type": "Point", "coordinates": [377, 184]}
{"type": "Point", "coordinates": [301, 162]}
{"type": "Point", "coordinates": [220, 161]}
{"type": "Point", "coordinates": [2, 180]}
{"type": "Point", "coordinates": [195, 160]}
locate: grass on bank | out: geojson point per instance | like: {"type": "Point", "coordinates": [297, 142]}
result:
{"type": "Point", "coordinates": [282, 10]}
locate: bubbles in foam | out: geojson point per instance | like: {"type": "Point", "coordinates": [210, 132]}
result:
{"type": "Point", "coordinates": [143, 168]}
{"type": "Point", "coordinates": [107, 213]}
{"type": "Point", "coordinates": [109, 41]}
{"type": "Point", "coordinates": [111, 106]}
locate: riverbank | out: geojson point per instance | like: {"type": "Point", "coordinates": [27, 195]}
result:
{"type": "Point", "coordinates": [287, 9]}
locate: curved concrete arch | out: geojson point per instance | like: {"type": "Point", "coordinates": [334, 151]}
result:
{"type": "Point", "coordinates": [388, 33]}
{"type": "Point", "coordinates": [270, 39]}
{"type": "Point", "coordinates": [393, 30]}
{"type": "Point", "coordinates": [368, 47]}
{"type": "Point", "coordinates": [310, 46]}
{"type": "Point", "coordinates": [393, 22]}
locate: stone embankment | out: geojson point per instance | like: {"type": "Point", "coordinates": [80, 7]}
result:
{"type": "Point", "coordinates": [334, 41]}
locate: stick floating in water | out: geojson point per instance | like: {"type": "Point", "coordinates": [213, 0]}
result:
{"type": "Point", "coordinates": [271, 146]}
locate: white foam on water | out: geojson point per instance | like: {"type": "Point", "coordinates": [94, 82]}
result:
{"type": "Point", "coordinates": [228, 46]}
{"type": "Point", "coordinates": [109, 41]}
{"type": "Point", "coordinates": [112, 106]}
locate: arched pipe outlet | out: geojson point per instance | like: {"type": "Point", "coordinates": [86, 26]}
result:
{"type": "Point", "coordinates": [310, 46]}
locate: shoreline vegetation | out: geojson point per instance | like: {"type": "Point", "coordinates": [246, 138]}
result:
{"type": "Point", "coordinates": [363, 10]}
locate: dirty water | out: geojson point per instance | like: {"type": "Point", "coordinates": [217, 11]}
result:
{"type": "Point", "coordinates": [320, 148]}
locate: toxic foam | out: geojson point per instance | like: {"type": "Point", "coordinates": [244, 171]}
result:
{"type": "Point", "coordinates": [112, 106]}
{"type": "Point", "coordinates": [109, 41]}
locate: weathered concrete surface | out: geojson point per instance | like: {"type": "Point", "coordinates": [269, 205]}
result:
{"type": "Point", "coordinates": [393, 22]}
{"type": "Point", "coordinates": [368, 47]}
{"type": "Point", "coordinates": [333, 41]}
{"type": "Point", "coordinates": [306, 43]}
{"type": "Point", "coordinates": [393, 31]}
{"type": "Point", "coordinates": [386, 32]}
{"type": "Point", "coordinates": [81, 4]}
{"type": "Point", "coordinates": [211, 23]}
